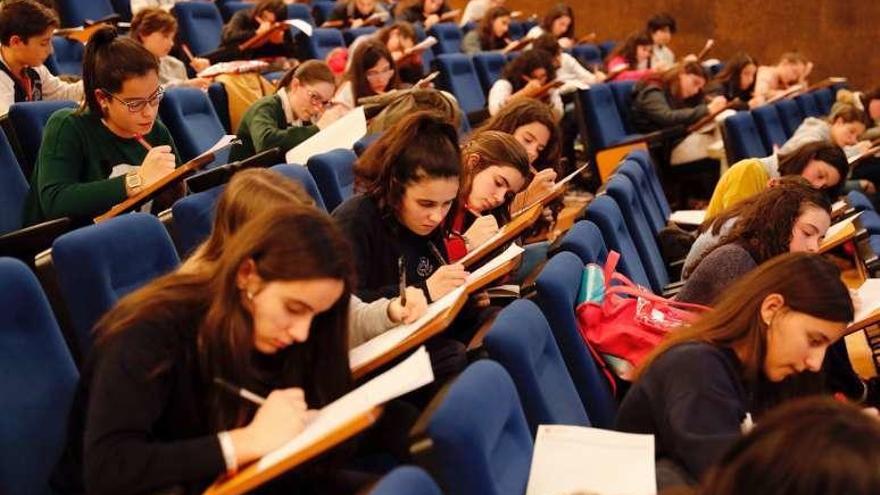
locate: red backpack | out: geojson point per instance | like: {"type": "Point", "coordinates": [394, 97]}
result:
{"type": "Point", "coordinates": [628, 321]}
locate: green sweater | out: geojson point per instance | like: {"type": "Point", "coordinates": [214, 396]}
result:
{"type": "Point", "coordinates": [264, 126]}
{"type": "Point", "coordinates": [77, 154]}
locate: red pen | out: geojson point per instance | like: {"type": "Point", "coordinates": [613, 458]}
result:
{"type": "Point", "coordinates": [144, 143]}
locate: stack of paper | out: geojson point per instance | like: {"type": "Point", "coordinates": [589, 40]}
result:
{"type": "Point", "coordinates": [412, 373]}
{"type": "Point", "coordinates": [341, 134]}
{"type": "Point", "coordinates": [576, 459]}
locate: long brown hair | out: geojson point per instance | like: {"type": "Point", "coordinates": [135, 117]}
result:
{"type": "Point", "coordinates": [488, 40]}
{"type": "Point", "coordinates": [524, 111]}
{"type": "Point", "coordinates": [795, 161]}
{"type": "Point", "coordinates": [628, 49]}
{"type": "Point", "coordinates": [422, 145]}
{"type": "Point", "coordinates": [808, 284]}
{"type": "Point", "coordinates": [555, 12]}
{"type": "Point", "coordinates": [366, 56]}
{"type": "Point", "coordinates": [492, 148]}
{"type": "Point", "coordinates": [764, 227]}
{"type": "Point", "coordinates": [293, 242]}
{"type": "Point", "coordinates": [669, 81]}
{"type": "Point", "coordinates": [715, 223]}
{"type": "Point", "coordinates": [811, 446]}
{"type": "Point", "coordinates": [248, 193]}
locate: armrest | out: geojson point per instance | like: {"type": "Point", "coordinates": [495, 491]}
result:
{"type": "Point", "coordinates": [672, 289]}
{"type": "Point", "coordinates": [25, 243]}
{"type": "Point", "coordinates": [674, 268]}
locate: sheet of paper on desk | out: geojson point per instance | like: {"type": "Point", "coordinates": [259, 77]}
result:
{"type": "Point", "coordinates": [510, 253]}
{"type": "Point", "coordinates": [577, 459]}
{"type": "Point", "coordinates": [869, 298]}
{"type": "Point", "coordinates": [839, 226]}
{"type": "Point", "coordinates": [221, 143]}
{"type": "Point", "coordinates": [383, 343]}
{"type": "Point", "coordinates": [300, 24]}
{"type": "Point", "coordinates": [341, 134]}
{"type": "Point", "coordinates": [412, 373]}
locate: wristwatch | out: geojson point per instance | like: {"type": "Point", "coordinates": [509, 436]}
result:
{"type": "Point", "coordinates": [133, 181]}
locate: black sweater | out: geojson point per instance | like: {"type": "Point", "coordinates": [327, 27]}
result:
{"type": "Point", "coordinates": [378, 240]}
{"type": "Point", "coordinates": [147, 421]}
{"type": "Point", "coordinates": [692, 399]}
{"type": "Point", "coordinates": [242, 27]}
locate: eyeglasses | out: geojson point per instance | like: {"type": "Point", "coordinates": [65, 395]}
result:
{"type": "Point", "coordinates": [316, 100]}
{"type": "Point", "coordinates": [374, 75]}
{"type": "Point", "coordinates": [136, 105]}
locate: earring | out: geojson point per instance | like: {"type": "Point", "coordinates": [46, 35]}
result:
{"type": "Point", "coordinates": [250, 295]}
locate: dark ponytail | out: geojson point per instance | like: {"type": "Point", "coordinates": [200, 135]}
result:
{"type": "Point", "coordinates": [419, 146]}
{"type": "Point", "coordinates": [110, 60]}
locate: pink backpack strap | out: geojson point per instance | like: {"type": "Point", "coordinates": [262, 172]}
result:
{"type": "Point", "coordinates": [650, 296]}
{"type": "Point", "coordinates": [610, 265]}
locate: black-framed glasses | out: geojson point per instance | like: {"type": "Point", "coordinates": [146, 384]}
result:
{"type": "Point", "coordinates": [316, 100]}
{"type": "Point", "coordinates": [136, 105]}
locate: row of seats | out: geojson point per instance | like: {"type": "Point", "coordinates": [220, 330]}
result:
{"type": "Point", "coordinates": [538, 373]}
{"type": "Point", "coordinates": [755, 133]}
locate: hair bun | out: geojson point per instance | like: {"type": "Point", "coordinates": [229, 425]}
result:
{"type": "Point", "coordinates": [103, 36]}
{"type": "Point", "coordinates": [845, 96]}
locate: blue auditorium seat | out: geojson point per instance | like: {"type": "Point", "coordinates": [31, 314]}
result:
{"type": "Point", "coordinates": [408, 480]}
{"type": "Point", "coordinates": [587, 54]}
{"type": "Point", "coordinates": [111, 259]}
{"type": "Point", "coordinates": [334, 173]}
{"type": "Point", "coordinates": [606, 214]}
{"type": "Point", "coordinates": [321, 11]}
{"type": "Point", "coordinates": [304, 177]}
{"type": "Point", "coordinates": [489, 66]}
{"type": "Point", "coordinates": [742, 139]}
{"type": "Point", "coordinates": [624, 193]}
{"type": "Point", "coordinates": [520, 339]}
{"type": "Point", "coordinates": [220, 100]}
{"type": "Point", "coordinates": [459, 76]}
{"type": "Point", "coordinates": [622, 91]}
{"type": "Point", "coordinates": [644, 160]}
{"type": "Point", "coordinates": [770, 126]}
{"type": "Point", "coordinates": [13, 188]}
{"type": "Point", "coordinates": [361, 144]}
{"type": "Point", "coordinates": [487, 453]}
{"type": "Point", "coordinates": [38, 380]}
{"type": "Point", "coordinates": [603, 118]}
{"type": "Point", "coordinates": [448, 36]}
{"type": "Point", "coordinates": [824, 99]}
{"type": "Point", "coordinates": [300, 11]}
{"type": "Point", "coordinates": [352, 34]}
{"type": "Point", "coordinates": [199, 25]}
{"type": "Point", "coordinates": [123, 8]}
{"type": "Point", "coordinates": [75, 12]}
{"type": "Point", "coordinates": [558, 285]}
{"type": "Point", "coordinates": [323, 41]}
{"type": "Point", "coordinates": [791, 115]}
{"type": "Point", "coordinates": [67, 55]}
{"type": "Point", "coordinates": [191, 119]}
{"type": "Point", "coordinates": [517, 30]}
{"type": "Point", "coordinates": [585, 240]}
{"type": "Point", "coordinates": [33, 115]}
{"type": "Point", "coordinates": [634, 172]}
{"type": "Point", "coordinates": [808, 104]}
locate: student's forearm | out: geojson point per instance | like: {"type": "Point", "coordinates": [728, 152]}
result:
{"type": "Point", "coordinates": [83, 199]}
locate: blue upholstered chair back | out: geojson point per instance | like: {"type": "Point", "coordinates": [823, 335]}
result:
{"type": "Point", "coordinates": [625, 195]}
{"type": "Point", "coordinates": [323, 41]}
{"type": "Point", "coordinates": [587, 54]}
{"type": "Point", "coordinates": [558, 286]}
{"type": "Point", "coordinates": [13, 188]}
{"type": "Point", "coordinates": [643, 158]}
{"type": "Point", "coordinates": [489, 66]}
{"type": "Point", "coordinates": [824, 99]}
{"type": "Point", "coordinates": [459, 76]}
{"type": "Point", "coordinates": [29, 119]}
{"type": "Point", "coordinates": [520, 339]}
{"type": "Point", "coordinates": [622, 91]}
{"type": "Point", "coordinates": [334, 173]}
{"type": "Point", "coordinates": [304, 177]}
{"type": "Point", "coordinates": [741, 137]}
{"type": "Point", "coordinates": [791, 114]}
{"type": "Point", "coordinates": [75, 12]}
{"type": "Point", "coordinates": [809, 105]}
{"type": "Point", "coordinates": [485, 453]}
{"type": "Point", "coordinates": [604, 124]}
{"type": "Point", "coordinates": [192, 121]}
{"type": "Point", "coordinates": [448, 36]}
{"type": "Point", "coordinates": [37, 381]}
{"type": "Point", "coordinates": [99, 264]}
{"type": "Point", "coordinates": [645, 194]}
{"type": "Point", "coordinates": [67, 55]}
{"type": "Point", "coordinates": [606, 214]}
{"type": "Point", "coordinates": [408, 480]}
{"type": "Point", "coordinates": [199, 25]}
{"type": "Point", "coordinates": [585, 240]}
{"type": "Point", "coordinates": [770, 126]}
{"type": "Point", "coordinates": [300, 11]}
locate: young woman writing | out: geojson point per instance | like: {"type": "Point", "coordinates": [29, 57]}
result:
{"type": "Point", "coordinates": [372, 72]}
{"type": "Point", "coordinates": [112, 147]}
{"type": "Point", "coordinates": [703, 385]}
{"type": "Point", "coordinates": [496, 167]}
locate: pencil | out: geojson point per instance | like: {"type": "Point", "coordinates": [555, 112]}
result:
{"type": "Point", "coordinates": [401, 268]}
{"type": "Point", "coordinates": [144, 143]}
{"type": "Point", "coordinates": [241, 392]}
{"type": "Point", "coordinates": [436, 252]}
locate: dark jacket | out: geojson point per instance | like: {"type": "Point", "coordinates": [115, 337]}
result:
{"type": "Point", "coordinates": [730, 89]}
{"type": "Point", "coordinates": [378, 240]}
{"type": "Point", "coordinates": [654, 109]}
{"type": "Point", "coordinates": [416, 13]}
{"type": "Point", "coordinates": [693, 400]}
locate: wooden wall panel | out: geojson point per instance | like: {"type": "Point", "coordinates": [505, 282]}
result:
{"type": "Point", "coordinates": [838, 35]}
